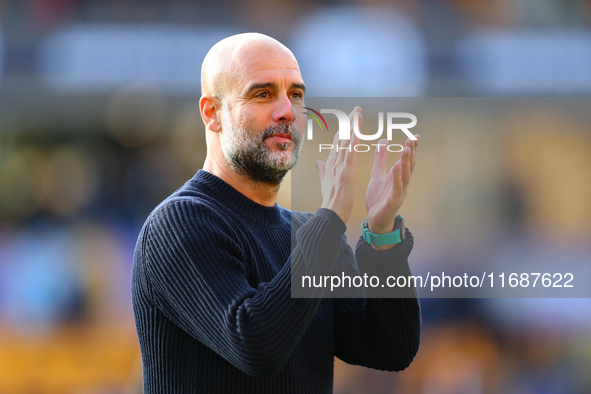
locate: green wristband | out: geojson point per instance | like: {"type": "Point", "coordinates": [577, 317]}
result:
{"type": "Point", "coordinates": [383, 239]}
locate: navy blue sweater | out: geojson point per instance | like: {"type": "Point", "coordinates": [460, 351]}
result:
{"type": "Point", "coordinates": [212, 297]}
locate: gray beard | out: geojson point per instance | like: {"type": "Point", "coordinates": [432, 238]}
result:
{"type": "Point", "coordinates": [247, 154]}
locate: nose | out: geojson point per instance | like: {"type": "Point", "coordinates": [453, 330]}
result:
{"type": "Point", "coordinates": [284, 111]}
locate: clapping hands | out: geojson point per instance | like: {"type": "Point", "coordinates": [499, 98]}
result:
{"type": "Point", "coordinates": [386, 190]}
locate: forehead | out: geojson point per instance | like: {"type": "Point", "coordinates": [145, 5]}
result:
{"type": "Point", "coordinates": [263, 64]}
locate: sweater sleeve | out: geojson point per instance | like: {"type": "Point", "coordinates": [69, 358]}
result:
{"type": "Point", "coordinates": [380, 333]}
{"type": "Point", "coordinates": [199, 282]}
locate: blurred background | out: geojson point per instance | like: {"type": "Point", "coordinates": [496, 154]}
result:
{"type": "Point", "coordinates": [100, 98]}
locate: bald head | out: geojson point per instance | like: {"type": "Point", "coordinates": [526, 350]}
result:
{"type": "Point", "coordinates": [252, 92]}
{"type": "Point", "coordinates": [228, 63]}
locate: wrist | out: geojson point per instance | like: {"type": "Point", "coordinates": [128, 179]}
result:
{"type": "Point", "coordinates": [383, 237]}
{"type": "Point", "coordinates": [383, 229]}
{"type": "Point", "coordinates": [383, 247]}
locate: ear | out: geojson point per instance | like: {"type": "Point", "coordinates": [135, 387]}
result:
{"type": "Point", "coordinates": [208, 106]}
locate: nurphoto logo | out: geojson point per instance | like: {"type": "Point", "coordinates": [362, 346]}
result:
{"type": "Point", "coordinates": [345, 129]}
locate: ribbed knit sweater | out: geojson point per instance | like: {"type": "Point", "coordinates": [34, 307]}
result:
{"type": "Point", "coordinates": [211, 291]}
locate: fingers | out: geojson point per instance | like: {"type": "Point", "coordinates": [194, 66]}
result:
{"type": "Point", "coordinates": [337, 175]}
{"type": "Point", "coordinates": [344, 149]}
{"type": "Point", "coordinates": [405, 165]}
{"type": "Point", "coordinates": [413, 144]}
{"type": "Point", "coordinates": [356, 122]}
{"type": "Point", "coordinates": [356, 110]}
{"type": "Point", "coordinates": [415, 152]}
{"type": "Point", "coordinates": [396, 172]}
{"type": "Point", "coordinates": [346, 146]}
{"type": "Point", "coordinates": [351, 154]}
{"type": "Point", "coordinates": [332, 154]}
{"type": "Point", "coordinates": [321, 170]}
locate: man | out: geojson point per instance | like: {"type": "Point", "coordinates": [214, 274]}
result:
{"type": "Point", "coordinates": [211, 277]}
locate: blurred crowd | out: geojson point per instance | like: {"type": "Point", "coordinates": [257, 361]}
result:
{"type": "Point", "coordinates": [99, 98]}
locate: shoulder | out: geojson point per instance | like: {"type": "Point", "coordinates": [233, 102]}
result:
{"type": "Point", "coordinates": [186, 232]}
{"type": "Point", "coordinates": [182, 217]}
{"type": "Point", "coordinates": [189, 216]}
{"type": "Point", "coordinates": [193, 203]}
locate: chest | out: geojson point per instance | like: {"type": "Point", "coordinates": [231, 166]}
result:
{"type": "Point", "coordinates": [266, 251]}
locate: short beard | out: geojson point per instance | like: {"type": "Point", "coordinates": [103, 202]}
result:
{"type": "Point", "coordinates": [247, 153]}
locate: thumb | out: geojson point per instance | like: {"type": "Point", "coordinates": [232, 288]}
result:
{"type": "Point", "coordinates": [396, 172]}
{"type": "Point", "coordinates": [321, 169]}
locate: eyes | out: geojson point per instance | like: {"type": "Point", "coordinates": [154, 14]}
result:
{"type": "Point", "coordinates": [298, 94]}
{"type": "Point", "coordinates": [265, 94]}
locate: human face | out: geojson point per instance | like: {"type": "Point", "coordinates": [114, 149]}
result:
{"type": "Point", "coordinates": [248, 152]}
{"type": "Point", "coordinates": [261, 135]}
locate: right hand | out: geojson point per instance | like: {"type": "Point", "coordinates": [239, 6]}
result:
{"type": "Point", "coordinates": [337, 175]}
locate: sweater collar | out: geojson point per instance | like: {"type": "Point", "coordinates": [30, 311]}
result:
{"type": "Point", "coordinates": [238, 202]}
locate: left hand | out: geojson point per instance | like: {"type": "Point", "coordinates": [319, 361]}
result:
{"type": "Point", "coordinates": [337, 175]}
{"type": "Point", "coordinates": [386, 191]}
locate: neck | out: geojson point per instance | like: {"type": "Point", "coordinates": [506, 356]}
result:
{"type": "Point", "coordinates": [260, 192]}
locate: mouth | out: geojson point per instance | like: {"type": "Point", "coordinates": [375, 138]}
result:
{"type": "Point", "coordinates": [281, 137]}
